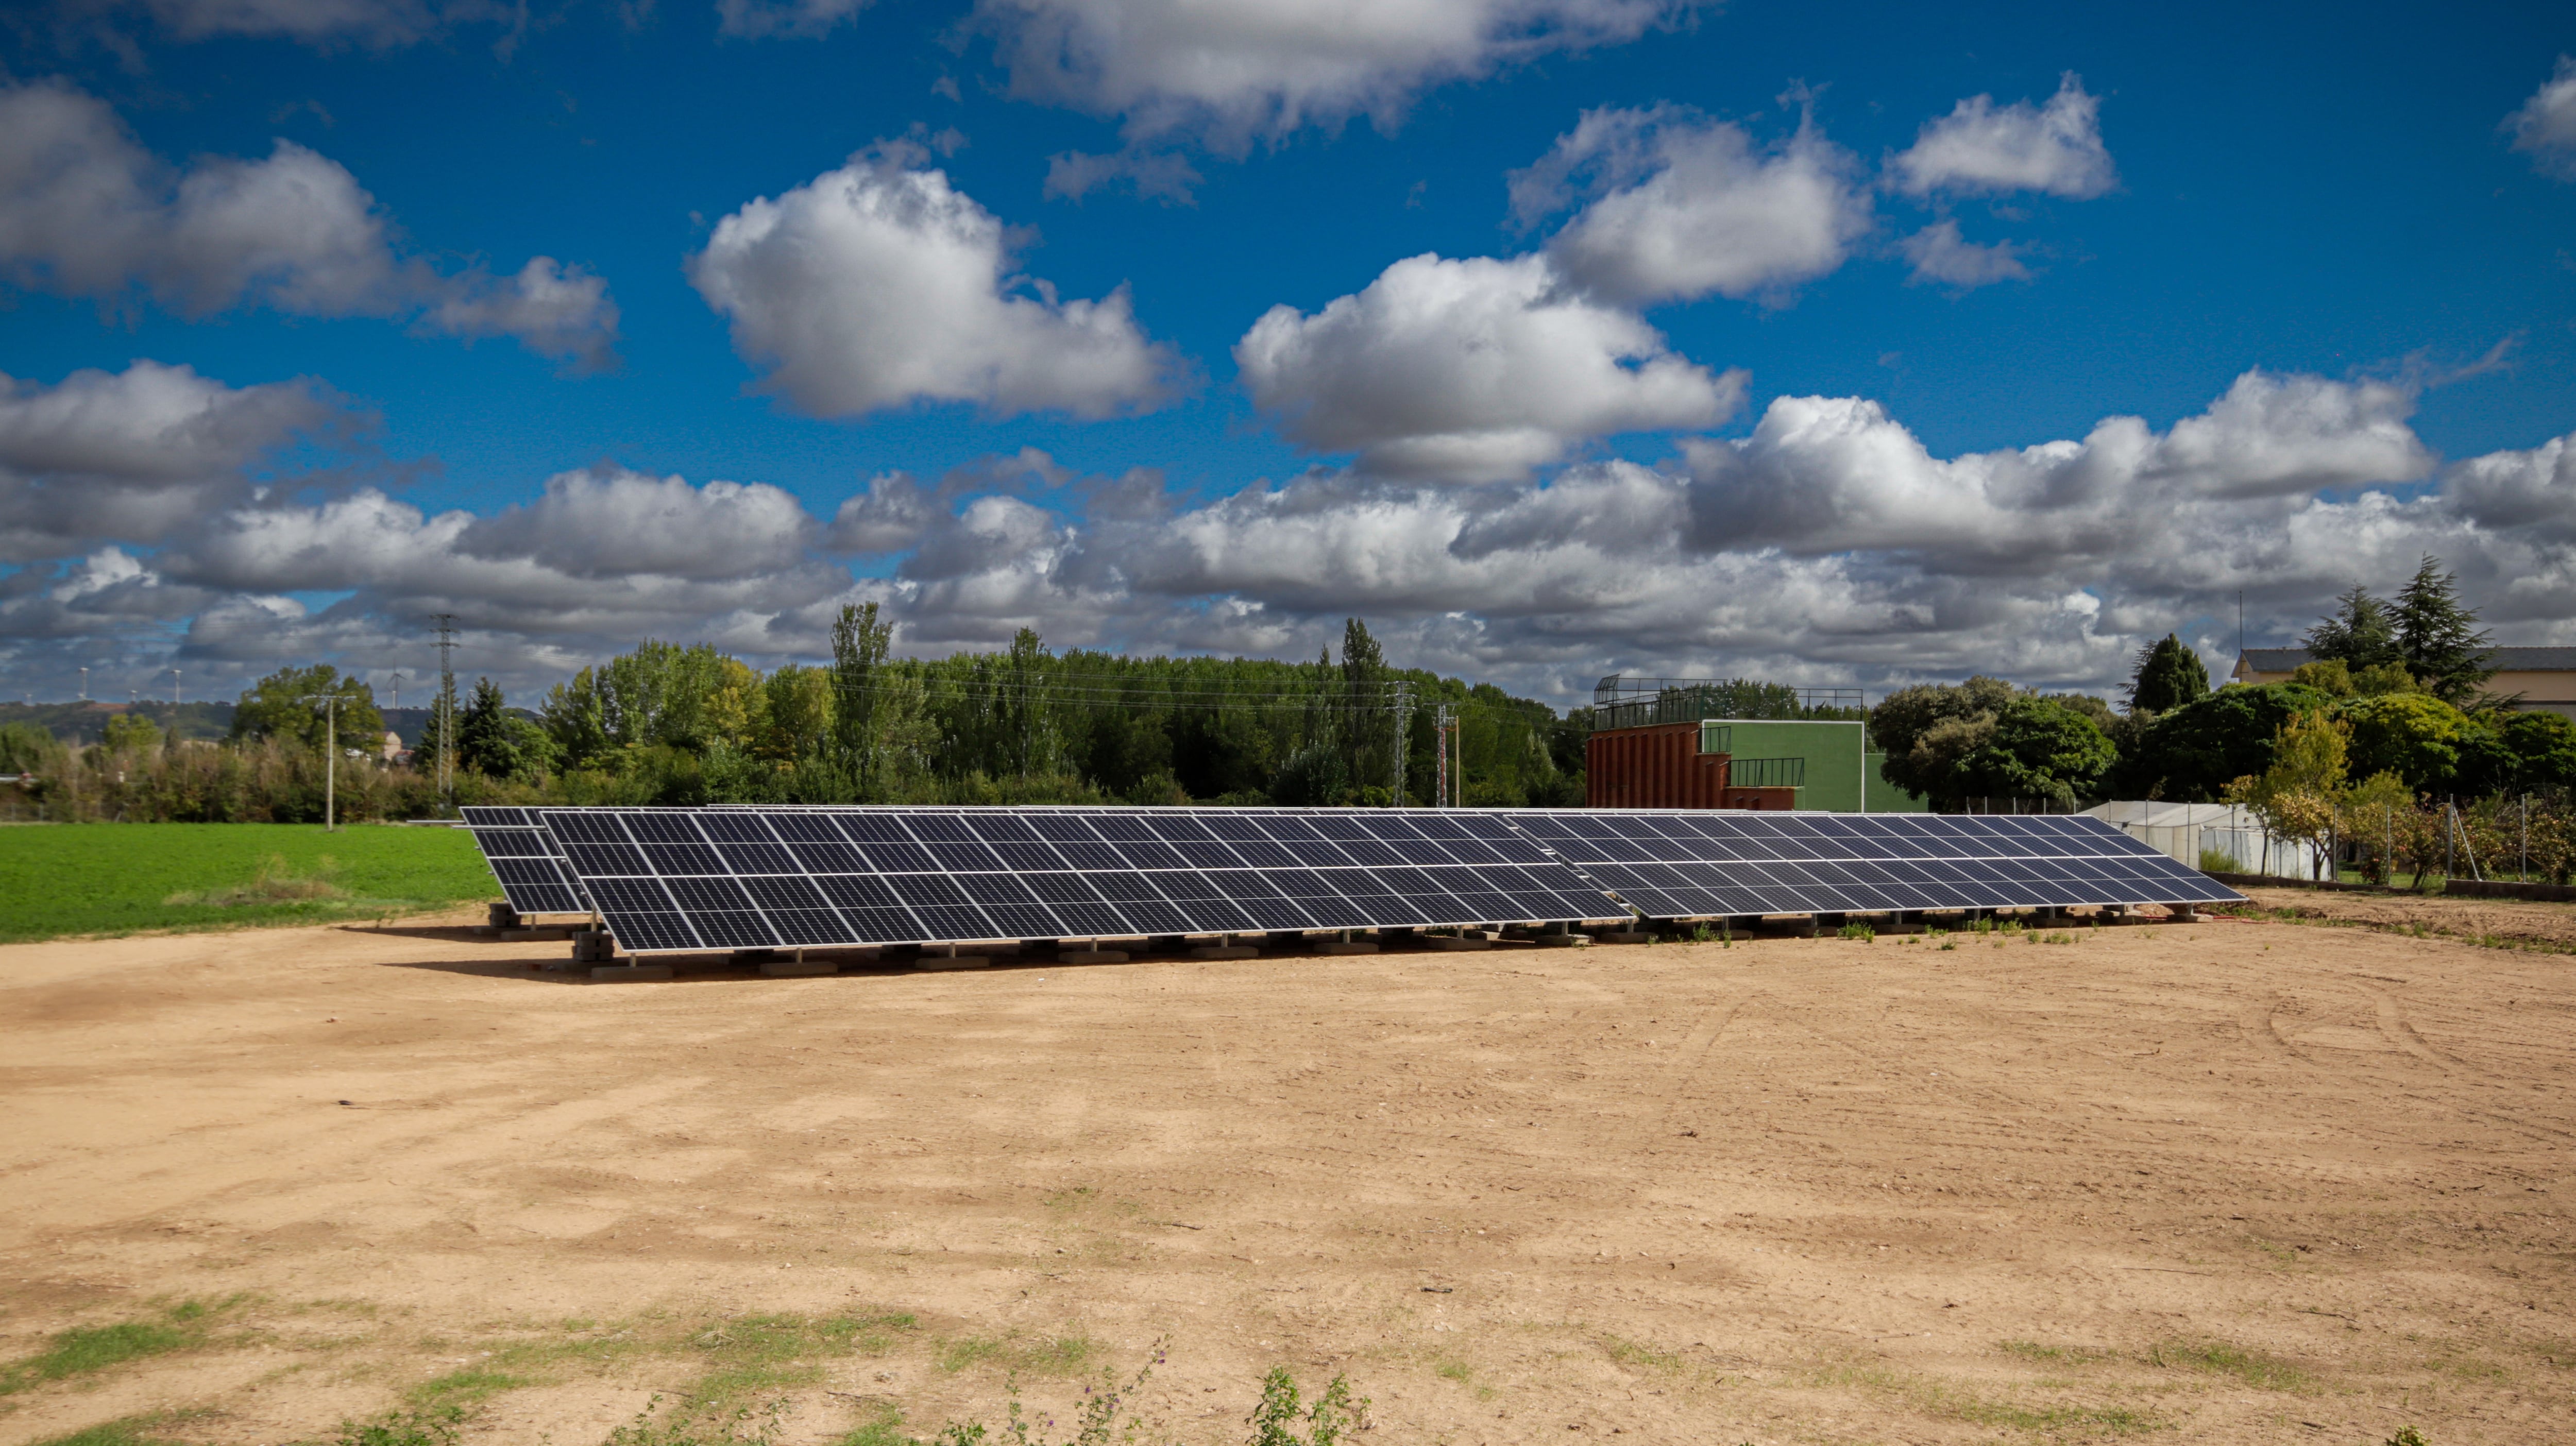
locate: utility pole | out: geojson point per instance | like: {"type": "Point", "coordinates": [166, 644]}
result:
{"type": "Point", "coordinates": [174, 695]}
{"type": "Point", "coordinates": [330, 757]}
{"type": "Point", "coordinates": [1403, 728]}
{"type": "Point", "coordinates": [447, 709]}
{"type": "Point", "coordinates": [84, 697]}
{"type": "Point", "coordinates": [1440, 758]}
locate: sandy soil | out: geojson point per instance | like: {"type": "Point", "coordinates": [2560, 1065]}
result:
{"type": "Point", "coordinates": [2512, 921]}
{"type": "Point", "coordinates": [2242, 1181]}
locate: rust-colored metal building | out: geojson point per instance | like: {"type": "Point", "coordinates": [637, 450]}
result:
{"type": "Point", "coordinates": [1660, 766]}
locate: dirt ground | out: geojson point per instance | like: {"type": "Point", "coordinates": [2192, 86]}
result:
{"type": "Point", "coordinates": [2241, 1181]}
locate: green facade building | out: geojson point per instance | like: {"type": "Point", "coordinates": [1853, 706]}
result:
{"type": "Point", "coordinates": [1827, 761]}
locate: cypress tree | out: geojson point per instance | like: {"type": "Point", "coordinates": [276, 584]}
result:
{"type": "Point", "coordinates": [2169, 675]}
{"type": "Point", "coordinates": [2438, 637]}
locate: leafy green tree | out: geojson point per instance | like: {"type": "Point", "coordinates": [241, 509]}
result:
{"type": "Point", "coordinates": [497, 743]}
{"type": "Point", "coordinates": [2438, 636]}
{"type": "Point", "coordinates": [2330, 676]}
{"type": "Point", "coordinates": [2193, 753]}
{"type": "Point", "coordinates": [131, 733]}
{"type": "Point", "coordinates": [2169, 675]}
{"type": "Point", "coordinates": [24, 747]}
{"type": "Point", "coordinates": [799, 714]}
{"type": "Point", "coordinates": [2515, 752]}
{"type": "Point", "coordinates": [287, 704]}
{"type": "Point", "coordinates": [2301, 794]}
{"type": "Point", "coordinates": [2359, 633]}
{"type": "Point", "coordinates": [2036, 748]}
{"type": "Point", "coordinates": [2413, 735]}
{"type": "Point", "coordinates": [1926, 729]}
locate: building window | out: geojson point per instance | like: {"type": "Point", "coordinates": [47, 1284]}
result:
{"type": "Point", "coordinates": [1767, 772]}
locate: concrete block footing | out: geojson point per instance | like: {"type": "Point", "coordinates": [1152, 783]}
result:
{"type": "Point", "coordinates": [1561, 941]}
{"type": "Point", "coordinates": [1092, 956]}
{"type": "Point", "coordinates": [1225, 951]}
{"type": "Point", "coordinates": [1622, 936]}
{"type": "Point", "coordinates": [1444, 941]}
{"type": "Point", "coordinates": [797, 969]}
{"type": "Point", "coordinates": [2181, 914]}
{"type": "Point", "coordinates": [1346, 946]}
{"type": "Point", "coordinates": [630, 973]}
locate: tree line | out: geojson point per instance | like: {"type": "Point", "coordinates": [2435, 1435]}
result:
{"type": "Point", "coordinates": [2391, 716]}
{"type": "Point", "coordinates": [675, 724]}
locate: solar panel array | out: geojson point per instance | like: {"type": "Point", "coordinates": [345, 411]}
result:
{"type": "Point", "coordinates": [1702, 863]}
{"type": "Point", "coordinates": [742, 878]}
{"type": "Point", "coordinates": [750, 877]}
{"type": "Point", "coordinates": [525, 858]}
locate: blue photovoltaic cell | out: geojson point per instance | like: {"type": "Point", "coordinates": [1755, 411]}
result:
{"type": "Point", "coordinates": [1679, 865]}
{"type": "Point", "coordinates": [526, 860]}
{"type": "Point", "coordinates": [928, 875]}
{"type": "Point", "coordinates": [905, 874]}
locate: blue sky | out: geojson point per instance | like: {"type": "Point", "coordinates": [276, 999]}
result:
{"type": "Point", "coordinates": [1553, 337]}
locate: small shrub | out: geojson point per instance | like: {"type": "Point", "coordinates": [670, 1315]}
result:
{"type": "Point", "coordinates": [2219, 861]}
{"type": "Point", "coordinates": [1097, 1424]}
{"type": "Point", "coordinates": [429, 1426]}
{"type": "Point", "coordinates": [680, 1428]}
{"type": "Point", "coordinates": [1274, 1420]}
{"type": "Point", "coordinates": [1856, 930]}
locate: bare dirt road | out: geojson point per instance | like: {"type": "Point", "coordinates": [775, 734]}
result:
{"type": "Point", "coordinates": [2242, 1181]}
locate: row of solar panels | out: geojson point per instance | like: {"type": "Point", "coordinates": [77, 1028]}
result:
{"type": "Point", "coordinates": [743, 877]}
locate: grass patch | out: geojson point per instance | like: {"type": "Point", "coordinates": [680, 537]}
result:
{"type": "Point", "coordinates": [1935, 1399]}
{"type": "Point", "coordinates": [470, 1386]}
{"type": "Point", "coordinates": [124, 878]}
{"type": "Point", "coordinates": [1049, 1356]}
{"type": "Point", "coordinates": [2218, 1358]}
{"type": "Point", "coordinates": [761, 1353]}
{"type": "Point", "coordinates": [885, 1430]}
{"type": "Point", "coordinates": [1637, 1353]}
{"type": "Point", "coordinates": [84, 1349]}
{"type": "Point", "coordinates": [2056, 1355]}
{"type": "Point", "coordinates": [130, 1431]}
{"type": "Point", "coordinates": [429, 1426]}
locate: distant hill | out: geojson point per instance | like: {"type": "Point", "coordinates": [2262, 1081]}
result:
{"type": "Point", "coordinates": [86, 723]}
{"type": "Point", "coordinates": [83, 723]}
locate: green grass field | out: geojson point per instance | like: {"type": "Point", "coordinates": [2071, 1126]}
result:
{"type": "Point", "coordinates": [125, 878]}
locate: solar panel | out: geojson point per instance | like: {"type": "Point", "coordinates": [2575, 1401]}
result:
{"type": "Point", "coordinates": [744, 877]}
{"type": "Point", "coordinates": [523, 855]}
{"type": "Point", "coordinates": [1703, 864]}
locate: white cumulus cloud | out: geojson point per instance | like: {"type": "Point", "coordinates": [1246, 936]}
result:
{"type": "Point", "coordinates": [1678, 206]}
{"type": "Point", "coordinates": [2545, 125]}
{"type": "Point", "coordinates": [136, 455]}
{"type": "Point", "coordinates": [2054, 148]}
{"type": "Point", "coordinates": [1227, 71]}
{"type": "Point", "coordinates": [880, 284]}
{"type": "Point", "coordinates": [86, 212]}
{"type": "Point", "coordinates": [1939, 253]}
{"type": "Point", "coordinates": [1471, 370]}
